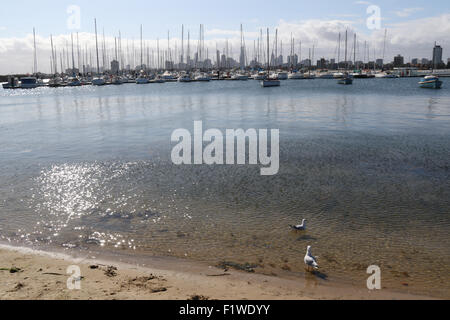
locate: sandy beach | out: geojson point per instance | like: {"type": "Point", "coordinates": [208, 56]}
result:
{"type": "Point", "coordinates": [29, 274]}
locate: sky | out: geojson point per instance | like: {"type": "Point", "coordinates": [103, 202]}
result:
{"type": "Point", "coordinates": [413, 26]}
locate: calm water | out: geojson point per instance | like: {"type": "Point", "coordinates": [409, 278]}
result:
{"type": "Point", "coordinates": [368, 165]}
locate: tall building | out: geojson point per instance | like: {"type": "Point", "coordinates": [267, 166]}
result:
{"type": "Point", "coordinates": [218, 58]}
{"type": "Point", "coordinates": [114, 66]}
{"type": "Point", "coordinates": [399, 61]}
{"type": "Point", "coordinates": [415, 62]}
{"type": "Point", "coordinates": [437, 55]}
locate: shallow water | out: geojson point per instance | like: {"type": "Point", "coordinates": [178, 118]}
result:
{"type": "Point", "coordinates": [367, 165]}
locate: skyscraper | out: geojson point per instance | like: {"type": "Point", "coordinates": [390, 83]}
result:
{"type": "Point", "coordinates": [437, 55]}
{"type": "Point", "coordinates": [399, 61]}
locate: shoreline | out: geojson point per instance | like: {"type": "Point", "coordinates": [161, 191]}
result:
{"type": "Point", "coordinates": [28, 274]}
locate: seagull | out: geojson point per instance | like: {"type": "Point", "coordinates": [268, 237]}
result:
{"type": "Point", "coordinates": [310, 260]}
{"type": "Point", "coordinates": [300, 227]}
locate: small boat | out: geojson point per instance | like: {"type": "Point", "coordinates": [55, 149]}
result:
{"type": "Point", "coordinates": [158, 79]}
{"type": "Point", "coordinates": [28, 83]}
{"type": "Point", "coordinates": [259, 76]}
{"type": "Point", "coordinates": [325, 75]}
{"type": "Point", "coordinates": [55, 82]}
{"type": "Point", "coordinates": [270, 83]}
{"type": "Point", "coordinates": [295, 76]}
{"type": "Point", "coordinates": [241, 77]}
{"type": "Point", "coordinates": [386, 75]}
{"type": "Point", "coordinates": [431, 82]}
{"type": "Point", "coordinates": [142, 79]}
{"type": "Point", "coordinates": [167, 76]}
{"type": "Point", "coordinates": [74, 82]}
{"type": "Point", "coordinates": [100, 81]}
{"type": "Point", "coordinates": [203, 78]}
{"type": "Point", "coordinates": [13, 83]}
{"type": "Point", "coordinates": [184, 78]}
{"type": "Point", "coordinates": [282, 75]}
{"type": "Point", "coordinates": [346, 79]}
{"type": "Point", "coordinates": [116, 80]}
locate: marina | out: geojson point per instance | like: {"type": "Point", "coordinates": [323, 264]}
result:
{"type": "Point", "coordinates": [202, 151]}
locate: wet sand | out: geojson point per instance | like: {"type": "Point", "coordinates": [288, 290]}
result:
{"type": "Point", "coordinates": [30, 274]}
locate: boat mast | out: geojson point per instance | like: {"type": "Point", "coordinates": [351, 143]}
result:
{"type": "Point", "coordinates": [182, 44]}
{"type": "Point", "coordinates": [268, 60]}
{"type": "Point", "coordinates": [384, 46]}
{"type": "Point", "coordinates": [159, 60]}
{"type": "Point", "coordinates": [339, 51]}
{"type": "Point", "coordinates": [141, 49]}
{"type": "Point", "coordinates": [35, 54]}
{"type": "Point", "coordinates": [53, 56]}
{"type": "Point", "coordinates": [96, 47]}
{"type": "Point", "coordinates": [78, 53]}
{"type": "Point", "coordinates": [73, 57]}
{"type": "Point", "coordinates": [346, 65]}
{"type": "Point", "coordinates": [354, 51]}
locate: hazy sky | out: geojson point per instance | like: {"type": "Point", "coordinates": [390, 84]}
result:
{"type": "Point", "coordinates": [412, 25]}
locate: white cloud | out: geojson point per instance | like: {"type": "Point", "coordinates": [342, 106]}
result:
{"type": "Point", "coordinates": [407, 12]}
{"type": "Point", "coordinates": [411, 38]}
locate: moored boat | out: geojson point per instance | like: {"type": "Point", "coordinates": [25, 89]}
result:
{"type": "Point", "coordinates": [431, 82]}
{"type": "Point", "coordinates": [28, 83]}
{"type": "Point", "coordinates": [346, 79]}
{"type": "Point", "coordinates": [100, 81]}
{"type": "Point", "coordinates": [13, 83]}
{"type": "Point", "coordinates": [185, 78]}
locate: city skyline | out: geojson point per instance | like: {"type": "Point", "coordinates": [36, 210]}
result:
{"type": "Point", "coordinates": [314, 25]}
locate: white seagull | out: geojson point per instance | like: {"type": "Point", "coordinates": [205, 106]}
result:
{"type": "Point", "coordinates": [300, 227]}
{"type": "Point", "coordinates": [310, 260]}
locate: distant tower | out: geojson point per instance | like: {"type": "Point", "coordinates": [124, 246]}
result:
{"type": "Point", "coordinates": [437, 55]}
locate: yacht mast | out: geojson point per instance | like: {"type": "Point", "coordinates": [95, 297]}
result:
{"type": "Point", "coordinates": [34, 54]}
{"type": "Point", "coordinates": [141, 50]}
{"type": "Point", "coordinates": [384, 46]}
{"type": "Point", "coordinates": [53, 56]}
{"type": "Point", "coordinates": [182, 44]}
{"type": "Point", "coordinates": [73, 57]}
{"type": "Point", "coordinates": [96, 47]}
{"type": "Point", "coordinates": [346, 65]}
{"type": "Point", "coordinates": [268, 52]}
{"type": "Point", "coordinates": [339, 50]}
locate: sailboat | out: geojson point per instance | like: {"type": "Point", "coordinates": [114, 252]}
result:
{"type": "Point", "coordinates": [346, 78]}
{"type": "Point", "coordinates": [142, 79]}
{"type": "Point", "coordinates": [98, 81]}
{"type": "Point", "coordinates": [269, 82]}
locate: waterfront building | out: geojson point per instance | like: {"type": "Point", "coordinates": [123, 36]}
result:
{"type": "Point", "coordinates": [437, 55]}
{"type": "Point", "coordinates": [399, 61]}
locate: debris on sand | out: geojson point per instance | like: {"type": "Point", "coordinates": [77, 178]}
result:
{"type": "Point", "coordinates": [17, 287]}
{"type": "Point", "coordinates": [197, 297]}
{"type": "Point", "coordinates": [12, 270]}
{"type": "Point", "coordinates": [111, 271]}
{"type": "Point", "coordinates": [247, 267]}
